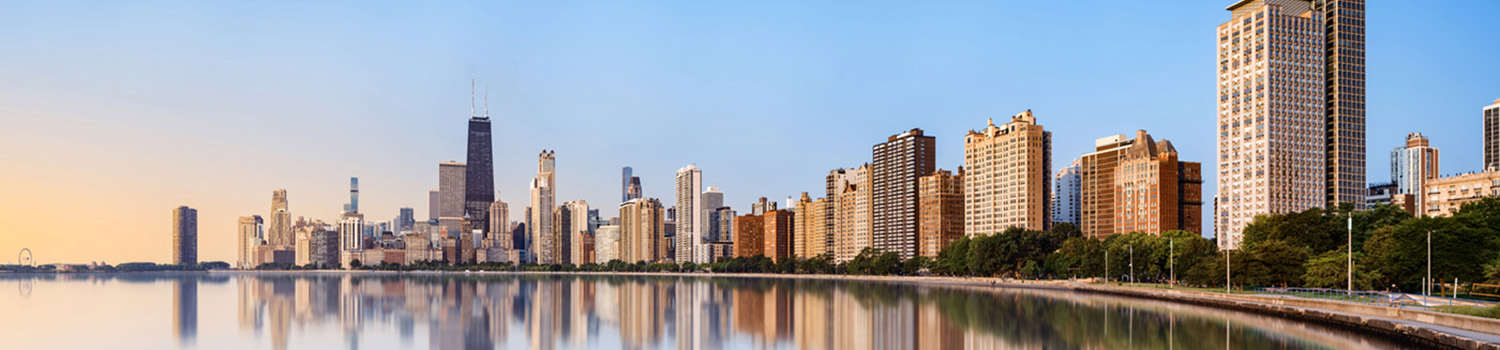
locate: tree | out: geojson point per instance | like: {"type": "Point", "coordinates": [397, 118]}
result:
{"type": "Point", "coordinates": [1276, 263]}
{"type": "Point", "coordinates": [355, 264]}
{"type": "Point", "coordinates": [984, 256]}
{"type": "Point", "coordinates": [1330, 270]}
{"type": "Point", "coordinates": [953, 259]}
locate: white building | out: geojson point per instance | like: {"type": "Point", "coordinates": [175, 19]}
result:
{"type": "Point", "coordinates": [691, 217]}
{"type": "Point", "coordinates": [1066, 194]}
{"type": "Point", "coordinates": [607, 244]}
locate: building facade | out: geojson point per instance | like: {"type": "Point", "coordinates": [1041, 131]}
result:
{"type": "Point", "coordinates": [184, 235]}
{"type": "Point", "coordinates": [691, 217]}
{"type": "Point", "coordinates": [1008, 177]}
{"type": "Point", "coordinates": [479, 172]}
{"type": "Point", "coordinates": [852, 215]}
{"type": "Point", "coordinates": [1154, 191]}
{"type": "Point", "coordinates": [351, 237]}
{"type": "Point", "coordinates": [607, 244]}
{"type": "Point", "coordinates": [941, 210]}
{"type": "Point", "coordinates": [811, 236]}
{"type": "Point", "coordinates": [1272, 123]}
{"type": "Point", "coordinates": [897, 164]}
{"type": "Point", "coordinates": [642, 221]}
{"type": "Point", "coordinates": [1066, 194]}
{"type": "Point", "coordinates": [1445, 195]}
{"type": "Point", "coordinates": [1412, 166]}
{"type": "Point", "coordinates": [250, 230]}
{"type": "Point", "coordinates": [451, 194]}
{"type": "Point", "coordinates": [279, 229]}
{"type": "Point", "coordinates": [545, 242]}
{"type": "Point", "coordinates": [1096, 186]}
{"type": "Point", "coordinates": [499, 234]}
{"type": "Point", "coordinates": [749, 236]}
{"type": "Point", "coordinates": [1492, 135]}
{"type": "Point", "coordinates": [581, 239]}
{"type": "Point", "coordinates": [1344, 114]}
{"type": "Point", "coordinates": [779, 225]}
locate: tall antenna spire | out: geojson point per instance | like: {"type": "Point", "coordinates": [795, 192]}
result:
{"type": "Point", "coordinates": [471, 96]}
{"type": "Point", "coordinates": [486, 101]}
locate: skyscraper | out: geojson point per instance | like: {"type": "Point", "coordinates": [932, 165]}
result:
{"type": "Point", "coordinates": [852, 218]}
{"type": "Point", "coordinates": [184, 235]}
{"type": "Point", "coordinates": [280, 230]}
{"type": "Point", "coordinates": [351, 237]}
{"type": "Point", "coordinates": [1097, 185]}
{"type": "Point", "coordinates": [1492, 135]}
{"type": "Point", "coordinates": [499, 233]}
{"type": "Point", "coordinates": [353, 205]}
{"type": "Point", "coordinates": [1412, 166]}
{"type": "Point", "coordinates": [451, 196]}
{"type": "Point", "coordinates": [479, 177]}
{"type": "Point", "coordinates": [941, 210]}
{"type": "Point", "coordinates": [1065, 194]}
{"type": "Point", "coordinates": [404, 220]}
{"type": "Point", "coordinates": [434, 204]}
{"type": "Point", "coordinates": [1273, 126]}
{"type": "Point", "coordinates": [898, 163]}
{"type": "Point", "coordinates": [641, 224]}
{"type": "Point", "coordinates": [1344, 88]}
{"type": "Point", "coordinates": [691, 218]}
{"type": "Point", "coordinates": [580, 239]}
{"type": "Point", "coordinates": [250, 237]}
{"type": "Point", "coordinates": [634, 191]}
{"type": "Point", "coordinates": [1008, 177]}
{"type": "Point", "coordinates": [543, 240]}
{"type": "Point", "coordinates": [778, 233]}
{"type": "Point", "coordinates": [625, 176]}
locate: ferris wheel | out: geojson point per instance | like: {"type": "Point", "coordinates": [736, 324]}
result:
{"type": "Point", "coordinates": [25, 258]}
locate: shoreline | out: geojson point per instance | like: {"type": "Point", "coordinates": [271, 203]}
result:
{"type": "Point", "coordinates": [1451, 331]}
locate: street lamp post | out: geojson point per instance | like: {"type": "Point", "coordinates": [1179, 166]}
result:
{"type": "Point", "coordinates": [1427, 287]}
{"type": "Point", "coordinates": [1172, 259]}
{"type": "Point", "coordinates": [1226, 271]}
{"type": "Point", "coordinates": [1106, 264]}
{"type": "Point", "coordinates": [1350, 246]}
{"type": "Point", "coordinates": [1132, 263]}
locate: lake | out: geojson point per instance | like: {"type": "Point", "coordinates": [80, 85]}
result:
{"type": "Point", "coordinates": [542, 311]}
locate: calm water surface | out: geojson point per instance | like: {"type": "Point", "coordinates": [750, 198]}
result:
{"type": "Point", "coordinates": [500, 311]}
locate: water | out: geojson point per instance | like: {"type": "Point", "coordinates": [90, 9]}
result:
{"type": "Point", "coordinates": [502, 311]}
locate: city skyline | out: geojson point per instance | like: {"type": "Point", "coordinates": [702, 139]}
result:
{"type": "Point", "coordinates": [210, 178]}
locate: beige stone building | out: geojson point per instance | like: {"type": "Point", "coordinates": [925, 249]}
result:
{"type": "Point", "coordinates": [1097, 183]}
{"type": "Point", "coordinates": [940, 211]}
{"type": "Point", "coordinates": [852, 213]}
{"type": "Point", "coordinates": [1447, 194]}
{"type": "Point", "coordinates": [1008, 177]}
{"type": "Point", "coordinates": [811, 236]}
{"type": "Point", "coordinates": [642, 224]}
{"type": "Point", "coordinates": [1272, 132]}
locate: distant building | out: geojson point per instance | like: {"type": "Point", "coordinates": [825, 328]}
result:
{"type": "Point", "coordinates": [1445, 195]}
{"type": "Point", "coordinates": [325, 246]}
{"type": "Point", "coordinates": [434, 203]}
{"type": "Point", "coordinates": [1492, 135]}
{"type": "Point", "coordinates": [184, 235]}
{"type": "Point", "coordinates": [451, 196]}
{"type": "Point", "coordinates": [500, 233]}
{"type": "Point", "coordinates": [1412, 166]}
{"type": "Point", "coordinates": [351, 237]}
{"type": "Point", "coordinates": [898, 163]}
{"type": "Point", "coordinates": [720, 226]}
{"type": "Point", "coordinates": [581, 239]}
{"type": "Point", "coordinates": [749, 236]}
{"type": "Point", "coordinates": [940, 212]}
{"type": "Point", "coordinates": [691, 218]}
{"type": "Point", "coordinates": [1390, 194]}
{"type": "Point", "coordinates": [279, 231]}
{"type": "Point", "coordinates": [762, 206]}
{"type": "Point", "coordinates": [405, 220]}
{"type": "Point", "coordinates": [1066, 194]}
{"type": "Point", "coordinates": [545, 241]}
{"type": "Point", "coordinates": [852, 216]}
{"type": "Point", "coordinates": [810, 236]}
{"type": "Point", "coordinates": [778, 233]}
{"type": "Point", "coordinates": [625, 177]}
{"type": "Point", "coordinates": [607, 244]}
{"type": "Point", "coordinates": [1008, 177]}
{"type": "Point", "coordinates": [250, 231]}
{"type": "Point", "coordinates": [642, 223]}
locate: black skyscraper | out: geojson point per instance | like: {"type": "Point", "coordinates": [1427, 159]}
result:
{"type": "Point", "coordinates": [479, 178]}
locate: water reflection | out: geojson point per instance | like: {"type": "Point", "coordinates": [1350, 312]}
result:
{"type": "Point", "coordinates": [280, 311]}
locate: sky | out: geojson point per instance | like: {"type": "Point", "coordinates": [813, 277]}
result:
{"type": "Point", "coordinates": [117, 112]}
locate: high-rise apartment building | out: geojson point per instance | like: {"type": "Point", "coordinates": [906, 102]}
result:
{"type": "Point", "coordinates": [580, 238]}
{"type": "Point", "coordinates": [713, 200]}
{"type": "Point", "coordinates": [250, 229]}
{"type": "Point", "coordinates": [852, 213]}
{"type": "Point", "coordinates": [777, 233]}
{"type": "Point", "coordinates": [1343, 30]}
{"type": "Point", "coordinates": [499, 234]}
{"type": "Point", "coordinates": [898, 163]}
{"type": "Point", "coordinates": [691, 217]}
{"type": "Point", "coordinates": [1007, 177]}
{"type": "Point", "coordinates": [749, 236]}
{"type": "Point", "coordinates": [479, 174]}
{"type": "Point", "coordinates": [1492, 135]}
{"type": "Point", "coordinates": [941, 210]}
{"type": "Point", "coordinates": [351, 237]}
{"type": "Point", "coordinates": [1138, 184]}
{"type": "Point", "coordinates": [561, 250]}
{"type": "Point", "coordinates": [1273, 135]}
{"type": "Point", "coordinates": [451, 196]}
{"type": "Point", "coordinates": [1096, 185]}
{"type": "Point", "coordinates": [1066, 196]}
{"type": "Point", "coordinates": [642, 221]}
{"type": "Point", "coordinates": [544, 240]}
{"type": "Point", "coordinates": [279, 232]}
{"type": "Point", "coordinates": [810, 238]}
{"type": "Point", "coordinates": [607, 244]}
{"type": "Point", "coordinates": [184, 235]}
{"type": "Point", "coordinates": [1412, 166]}
{"type": "Point", "coordinates": [720, 225]}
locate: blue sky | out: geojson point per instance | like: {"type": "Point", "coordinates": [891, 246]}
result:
{"type": "Point", "coordinates": [133, 108]}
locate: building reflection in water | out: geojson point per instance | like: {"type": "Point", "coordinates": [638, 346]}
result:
{"type": "Point", "coordinates": [496, 311]}
{"type": "Point", "coordinates": [185, 311]}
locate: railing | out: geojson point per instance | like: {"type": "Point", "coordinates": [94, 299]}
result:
{"type": "Point", "coordinates": [1376, 297]}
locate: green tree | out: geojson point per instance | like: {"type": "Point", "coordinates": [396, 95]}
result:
{"type": "Point", "coordinates": [1330, 270]}
{"type": "Point", "coordinates": [953, 260]}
